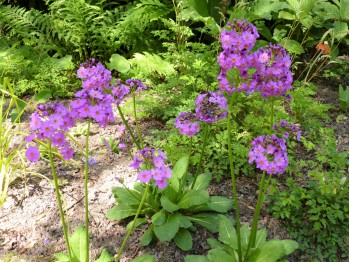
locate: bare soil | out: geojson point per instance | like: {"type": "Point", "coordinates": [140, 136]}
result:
{"type": "Point", "coordinates": [30, 227]}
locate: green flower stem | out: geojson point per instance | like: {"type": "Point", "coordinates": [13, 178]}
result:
{"type": "Point", "coordinates": [86, 178]}
{"type": "Point", "coordinates": [136, 122]}
{"type": "Point", "coordinates": [58, 195]}
{"type": "Point", "coordinates": [262, 191]}
{"type": "Point", "coordinates": [133, 224]}
{"type": "Point", "coordinates": [129, 129]}
{"type": "Point", "coordinates": [184, 179]}
{"type": "Point", "coordinates": [205, 140]}
{"type": "Point", "coordinates": [233, 177]}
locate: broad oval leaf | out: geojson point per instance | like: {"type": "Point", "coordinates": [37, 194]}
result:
{"type": "Point", "coordinates": [168, 205]}
{"type": "Point", "coordinates": [292, 46]}
{"type": "Point", "coordinates": [178, 172]}
{"type": "Point", "coordinates": [202, 182]}
{"type": "Point", "coordinates": [209, 221]}
{"type": "Point", "coordinates": [227, 233]}
{"type": "Point", "coordinates": [168, 230]}
{"type": "Point", "coordinates": [216, 255]}
{"type": "Point", "coordinates": [183, 239]}
{"type": "Point", "coordinates": [147, 236]}
{"type": "Point", "coordinates": [196, 258]}
{"type": "Point", "coordinates": [78, 244]}
{"type": "Point", "coordinates": [120, 212]}
{"type": "Point", "coordinates": [43, 96]}
{"type": "Point", "coordinates": [119, 63]}
{"type": "Point", "coordinates": [220, 204]}
{"type": "Point", "coordinates": [144, 258]}
{"type": "Point", "coordinates": [193, 198]}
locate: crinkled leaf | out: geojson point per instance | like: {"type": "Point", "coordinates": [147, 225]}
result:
{"type": "Point", "coordinates": [203, 181]}
{"type": "Point", "coordinates": [120, 212]}
{"type": "Point", "coordinates": [126, 196]}
{"type": "Point", "coordinates": [168, 230]}
{"type": "Point", "coordinates": [78, 244]}
{"type": "Point", "coordinates": [183, 239]}
{"type": "Point", "coordinates": [147, 236]}
{"type": "Point", "coordinates": [193, 198]}
{"type": "Point", "coordinates": [207, 220]}
{"type": "Point", "coordinates": [227, 233]}
{"type": "Point", "coordinates": [216, 255]}
{"type": "Point", "coordinates": [220, 204]}
{"type": "Point", "coordinates": [159, 218]}
{"type": "Point", "coordinates": [168, 205]}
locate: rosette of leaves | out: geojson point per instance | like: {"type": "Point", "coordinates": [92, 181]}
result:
{"type": "Point", "coordinates": [225, 249]}
{"type": "Point", "coordinates": [171, 214]}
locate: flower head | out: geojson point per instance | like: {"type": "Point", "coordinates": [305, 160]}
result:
{"type": "Point", "coordinates": [32, 154]}
{"type": "Point", "coordinates": [186, 124]}
{"type": "Point", "coordinates": [269, 154]}
{"type": "Point", "coordinates": [211, 107]}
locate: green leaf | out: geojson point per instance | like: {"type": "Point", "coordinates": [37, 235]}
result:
{"type": "Point", "coordinates": [274, 250]}
{"type": "Point", "coordinates": [203, 181]}
{"type": "Point", "coordinates": [105, 256]}
{"type": "Point", "coordinates": [62, 257]}
{"type": "Point", "coordinates": [126, 196]}
{"type": "Point", "coordinates": [245, 234]}
{"type": "Point", "coordinates": [159, 218]}
{"type": "Point", "coordinates": [139, 222]}
{"type": "Point", "coordinates": [227, 233]}
{"type": "Point", "coordinates": [168, 205]}
{"type": "Point", "coordinates": [120, 212]}
{"type": "Point", "coordinates": [78, 244]}
{"type": "Point", "coordinates": [286, 15]}
{"type": "Point", "coordinates": [213, 243]}
{"type": "Point", "coordinates": [193, 198]}
{"type": "Point", "coordinates": [147, 236]}
{"type": "Point", "coordinates": [196, 258]}
{"type": "Point", "coordinates": [168, 230]}
{"type": "Point", "coordinates": [183, 239]}
{"type": "Point", "coordinates": [178, 172]}
{"type": "Point", "coordinates": [42, 96]}
{"type": "Point", "coordinates": [216, 255]}
{"type": "Point", "coordinates": [119, 63]}
{"type": "Point", "coordinates": [340, 30]}
{"type": "Point", "coordinates": [64, 63]}
{"type": "Point", "coordinates": [220, 204]}
{"type": "Point", "coordinates": [292, 46]}
{"type": "Point", "coordinates": [207, 220]}
{"type": "Point", "coordinates": [184, 221]}
{"type": "Point", "coordinates": [260, 237]}
{"type": "Point", "coordinates": [145, 258]}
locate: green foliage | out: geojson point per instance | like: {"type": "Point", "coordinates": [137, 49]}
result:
{"type": "Point", "coordinates": [226, 248]}
{"type": "Point", "coordinates": [11, 160]}
{"type": "Point", "coordinates": [172, 211]}
{"type": "Point", "coordinates": [315, 206]}
{"type": "Point", "coordinates": [32, 72]}
{"type": "Point", "coordinates": [344, 98]}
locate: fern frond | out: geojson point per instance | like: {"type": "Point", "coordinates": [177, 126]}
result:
{"type": "Point", "coordinates": [147, 64]}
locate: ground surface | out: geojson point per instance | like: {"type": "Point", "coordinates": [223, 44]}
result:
{"type": "Point", "coordinates": [30, 224]}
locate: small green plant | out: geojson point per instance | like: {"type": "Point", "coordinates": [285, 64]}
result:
{"type": "Point", "coordinates": [171, 211]}
{"type": "Point", "coordinates": [344, 98]}
{"type": "Point", "coordinates": [226, 248]}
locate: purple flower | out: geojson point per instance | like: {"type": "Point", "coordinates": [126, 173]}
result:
{"type": "Point", "coordinates": [269, 154]}
{"type": "Point", "coordinates": [287, 130]}
{"type": "Point", "coordinates": [157, 170]}
{"type": "Point", "coordinates": [32, 154]}
{"type": "Point", "coordinates": [91, 161]}
{"type": "Point", "coordinates": [136, 84]}
{"type": "Point", "coordinates": [186, 124]}
{"type": "Point", "coordinates": [211, 107]}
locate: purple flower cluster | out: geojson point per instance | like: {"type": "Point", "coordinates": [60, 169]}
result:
{"type": "Point", "coordinates": [159, 172]}
{"type": "Point", "coordinates": [50, 122]}
{"type": "Point", "coordinates": [211, 107]}
{"type": "Point", "coordinates": [265, 71]}
{"type": "Point", "coordinates": [270, 154]}
{"type": "Point", "coordinates": [287, 129]}
{"type": "Point", "coordinates": [135, 85]}
{"type": "Point", "coordinates": [186, 124]}
{"type": "Point", "coordinates": [236, 45]}
{"type": "Point", "coordinates": [273, 74]}
{"type": "Point", "coordinates": [95, 99]}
